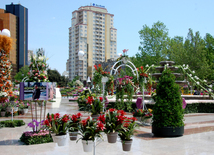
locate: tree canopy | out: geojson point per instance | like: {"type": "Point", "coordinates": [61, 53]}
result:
{"type": "Point", "coordinates": [194, 50]}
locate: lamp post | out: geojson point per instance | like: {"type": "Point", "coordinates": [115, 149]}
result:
{"type": "Point", "coordinates": [81, 55]}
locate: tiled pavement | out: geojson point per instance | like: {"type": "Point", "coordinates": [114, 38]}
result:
{"type": "Point", "coordinates": [198, 138]}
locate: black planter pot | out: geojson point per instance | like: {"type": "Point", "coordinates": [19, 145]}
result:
{"type": "Point", "coordinates": [168, 131]}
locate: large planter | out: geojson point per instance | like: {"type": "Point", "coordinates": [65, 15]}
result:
{"type": "Point", "coordinates": [127, 145]}
{"type": "Point", "coordinates": [59, 139]}
{"type": "Point", "coordinates": [73, 135]}
{"type": "Point", "coordinates": [3, 113]}
{"type": "Point", "coordinates": [112, 137]}
{"type": "Point", "coordinates": [168, 131]}
{"type": "Point", "coordinates": [87, 145]}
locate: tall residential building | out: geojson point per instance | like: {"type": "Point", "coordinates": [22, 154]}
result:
{"type": "Point", "coordinates": [92, 31]}
{"type": "Point", "coordinates": [8, 21]}
{"type": "Point", "coordinates": [21, 14]}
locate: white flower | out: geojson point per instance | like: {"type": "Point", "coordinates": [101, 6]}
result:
{"type": "Point", "coordinates": [183, 65]}
{"type": "Point", "coordinates": [187, 66]}
{"type": "Point", "coordinates": [205, 80]}
{"type": "Point", "coordinates": [190, 75]}
{"type": "Point", "coordinates": [167, 64]}
{"type": "Point", "coordinates": [193, 72]}
{"type": "Point", "coordinates": [147, 65]}
{"type": "Point", "coordinates": [152, 65]}
{"type": "Point", "coordinates": [198, 83]}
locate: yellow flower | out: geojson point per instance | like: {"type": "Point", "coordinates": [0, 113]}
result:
{"type": "Point", "coordinates": [150, 110]}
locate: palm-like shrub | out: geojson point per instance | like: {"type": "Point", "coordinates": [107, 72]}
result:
{"type": "Point", "coordinates": [167, 111]}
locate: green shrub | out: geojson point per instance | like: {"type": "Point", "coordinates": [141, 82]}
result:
{"type": "Point", "coordinates": [168, 111]}
{"type": "Point", "coordinates": [10, 123]}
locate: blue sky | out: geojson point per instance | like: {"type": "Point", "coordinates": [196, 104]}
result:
{"type": "Point", "coordinates": [49, 21]}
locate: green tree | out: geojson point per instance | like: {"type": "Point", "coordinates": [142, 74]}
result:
{"type": "Point", "coordinates": [154, 43]}
{"type": "Point", "coordinates": [194, 47]}
{"type": "Point", "coordinates": [209, 41]}
{"type": "Point", "coordinates": [53, 75]}
{"type": "Point", "coordinates": [23, 72]}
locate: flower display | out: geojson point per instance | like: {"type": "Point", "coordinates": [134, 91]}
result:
{"type": "Point", "coordinates": [5, 68]}
{"type": "Point", "coordinates": [113, 120]}
{"type": "Point", "coordinates": [38, 69]}
{"type": "Point", "coordinates": [90, 129]}
{"type": "Point", "coordinates": [128, 129]}
{"type": "Point", "coordinates": [74, 122]}
{"type": "Point", "coordinates": [145, 114]}
{"type": "Point", "coordinates": [56, 124]}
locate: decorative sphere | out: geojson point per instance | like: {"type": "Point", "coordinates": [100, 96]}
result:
{"type": "Point", "coordinates": [5, 32]}
{"type": "Point", "coordinates": [81, 53]}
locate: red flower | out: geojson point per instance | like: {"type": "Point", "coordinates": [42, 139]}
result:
{"type": "Point", "coordinates": [74, 118]}
{"type": "Point", "coordinates": [99, 65]}
{"type": "Point", "coordinates": [90, 100]}
{"type": "Point", "coordinates": [141, 68]}
{"type": "Point", "coordinates": [111, 110]}
{"type": "Point", "coordinates": [95, 67]}
{"type": "Point", "coordinates": [79, 115]}
{"type": "Point", "coordinates": [102, 118]}
{"type": "Point", "coordinates": [46, 122]}
{"type": "Point", "coordinates": [65, 118]}
{"type": "Point", "coordinates": [56, 115]}
{"type": "Point", "coordinates": [121, 112]}
{"type": "Point", "coordinates": [120, 119]}
{"type": "Point", "coordinates": [101, 99]}
{"type": "Point", "coordinates": [84, 122]}
{"type": "Point", "coordinates": [126, 125]}
{"type": "Point", "coordinates": [133, 119]}
{"type": "Point", "coordinates": [100, 126]}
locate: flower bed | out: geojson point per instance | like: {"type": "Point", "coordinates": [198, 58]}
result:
{"type": "Point", "coordinates": [30, 137]}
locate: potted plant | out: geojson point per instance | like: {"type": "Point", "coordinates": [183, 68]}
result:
{"type": "Point", "coordinates": [89, 129]}
{"type": "Point", "coordinates": [113, 122]}
{"type": "Point", "coordinates": [138, 113]}
{"type": "Point", "coordinates": [3, 108]}
{"type": "Point", "coordinates": [93, 104]}
{"type": "Point", "coordinates": [26, 105]}
{"type": "Point", "coordinates": [167, 111]}
{"type": "Point", "coordinates": [147, 116]}
{"type": "Point", "coordinates": [58, 127]}
{"type": "Point", "coordinates": [21, 106]}
{"type": "Point", "coordinates": [126, 132]}
{"type": "Point", "coordinates": [73, 125]}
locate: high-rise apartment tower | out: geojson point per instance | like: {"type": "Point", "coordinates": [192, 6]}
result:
{"type": "Point", "coordinates": [92, 31]}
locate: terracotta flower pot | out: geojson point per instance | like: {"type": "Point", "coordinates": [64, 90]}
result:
{"type": "Point", "coordinates": [127, 145]}
{"type": "Point", "coordinates": [112, 137]}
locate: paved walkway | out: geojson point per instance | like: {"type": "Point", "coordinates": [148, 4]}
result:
{"type": "Point", "coordinates": [197, 139]}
